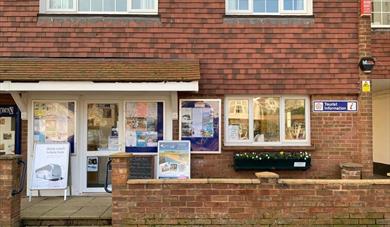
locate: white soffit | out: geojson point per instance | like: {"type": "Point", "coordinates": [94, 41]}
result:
{"type": "Point", "coordinates": [92, 86]}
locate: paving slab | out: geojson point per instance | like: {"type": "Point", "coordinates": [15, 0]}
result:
{"type": "Point", "coordinates": [89, 212]}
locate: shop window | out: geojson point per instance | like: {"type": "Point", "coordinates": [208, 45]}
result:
{"type": "Point", "coordinates": [269, 7]}
{"type": "Point", "coordinates": [102, 129]}
{"type": "Point", "coordinates": [101, 6]}
{"type": "Point", "coordinates": [10, 129]}
{"type": "Point", "coordinates": [380, 13]}
{"type": "Point", "coordinates": [54, 122]}
{"type": "Point", "coordinates": [144, 126]}
{"type": "Point", "coordinates": [267, 121]}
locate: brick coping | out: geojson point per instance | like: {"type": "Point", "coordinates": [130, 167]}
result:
{"type": "Point", "coordinates": [257, 181]}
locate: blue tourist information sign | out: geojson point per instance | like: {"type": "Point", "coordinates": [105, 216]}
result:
{"type": "Point", "coordinates": [335, 106]}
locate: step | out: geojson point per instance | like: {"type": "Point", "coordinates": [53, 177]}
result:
{"type": "Point", "coordinates": [66, 222]}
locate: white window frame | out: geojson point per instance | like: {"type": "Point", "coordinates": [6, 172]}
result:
{"type": "Point", "coordinates": [308, 9]}
{"type": "Point", "coordinates": [381, 13]}
{"type": "Point", "coordinates": [283, 141]}
{"type": "Point", "coordinates": [45, 9]}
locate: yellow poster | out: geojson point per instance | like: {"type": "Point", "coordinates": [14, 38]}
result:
{"type": "Point", "coordinates": [366, 86]}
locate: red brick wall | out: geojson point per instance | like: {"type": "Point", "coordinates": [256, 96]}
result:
{"type": "Point", "coordinates": [381, 52]}
{"type": "Point", "coordinates": [9, 180]}
{"type": "Point", "coordinates": [244, 202]}
{"type": "Point", "coordinates": [302, 55]}
{"type": "Point", "coordinates": [335, 139]}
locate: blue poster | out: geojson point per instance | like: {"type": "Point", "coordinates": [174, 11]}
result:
{"type": "Point", "coordinates": [200, 124]}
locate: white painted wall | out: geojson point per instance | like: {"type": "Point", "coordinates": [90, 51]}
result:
{"type": "Point", "coordinates": [381, 126]}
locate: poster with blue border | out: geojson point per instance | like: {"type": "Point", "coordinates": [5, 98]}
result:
{"type": "Point", "coordinates": [144, 123]}
{"type": "Point", "coordinates": [200, 123]}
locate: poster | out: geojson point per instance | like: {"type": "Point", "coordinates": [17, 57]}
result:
{"type": "Point", "coordinates": [174, 160]}
{"type": "Point", "coordinates": [50, 166]}
{"type": "Point", "coordinates": [10, 129]}
{"type": "Point", "coordinates": [92, 164]}
{"type": "Point", "coordinates": [144, 126]}
{"type": "Point", "coordinates": [200, 121]}
{"type": "Point", "coordinates": [233, 132]}
{"type": "Point", "coordinates": [54, 122]}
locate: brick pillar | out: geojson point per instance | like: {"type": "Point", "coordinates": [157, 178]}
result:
{"type": "Point", "coordinates": [365, 101]}
{"type": "Point", "coordinates": [9, 180]}
{"type": "Point", "coordinates": [119, 177]}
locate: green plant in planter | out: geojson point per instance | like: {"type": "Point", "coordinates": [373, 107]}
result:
{"type": "Point", "coordinates": [272, 161]}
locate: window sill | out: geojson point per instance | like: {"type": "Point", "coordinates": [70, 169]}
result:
{"type": "Point", "coordinates": [270, 19]}
{"type": "Point", "coordinates": [97, 17]}
{"type": "Point", "coordinates": [268, 149]}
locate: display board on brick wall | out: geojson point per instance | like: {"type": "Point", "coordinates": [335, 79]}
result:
{"type": "Point", "coordinates": [200, 123]}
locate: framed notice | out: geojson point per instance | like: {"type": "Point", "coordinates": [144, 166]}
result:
{"type": "Point", "coordinates": [200, 123]}
{"type": "Point", "coordinates": [50, 166]}
{"type": "Point", "coordinates": [174, 160]}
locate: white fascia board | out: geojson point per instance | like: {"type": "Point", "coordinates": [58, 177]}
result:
{"type": "Point", "coordinates": [92, 86]}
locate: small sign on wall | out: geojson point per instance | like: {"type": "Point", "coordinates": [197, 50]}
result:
{"type": "Point", "coordinates": [365, 7]}
{"type": "Point", "coordinates": [366, 86]}
{"type": "Point", "coordinates": [335, 106]}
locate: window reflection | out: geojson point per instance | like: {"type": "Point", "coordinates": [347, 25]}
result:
{"type": "Point", "coordinates": [266, 119]}
{"type": "Point", "coordinates": [238, 126]}
{"type": "Point", "coordinates": [102, 127]}
{"type": "Point", "coordinates": [295, 119]}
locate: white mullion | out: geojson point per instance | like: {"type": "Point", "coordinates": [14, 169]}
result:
{"type": "Point", "coordinates": [282, 119]}
{"type": "Point", "coordinates": [250, 6]}
{"type": "Point", "coordinates": [251, 119]}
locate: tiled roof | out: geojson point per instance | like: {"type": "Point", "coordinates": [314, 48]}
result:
{"type": "Point", "coordinates": [98, 69]}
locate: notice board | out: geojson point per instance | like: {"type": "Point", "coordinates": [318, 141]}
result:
{"type": "Point", "coordinates": [200, 123]}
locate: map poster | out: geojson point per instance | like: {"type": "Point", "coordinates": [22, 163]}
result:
{"type": "Point", "coordinates": [50, 166]}
{"type": "Point", "coordinates": [174, 160]}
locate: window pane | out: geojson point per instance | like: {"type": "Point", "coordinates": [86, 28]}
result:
{"type": "Point", "coordinates": [96, 5]}
{"type": "Point", "coordinates": [121, 5]}
{"type": "Point", "coordinates": [233, 5]}
{"type": "Point", "coordinates": [243, 4]}
{"type": "Point", "coordinates": [259, 6]}
{"type": "Point", "coordinates": [376, 18]}
{"type": "Point", "coordinates": [109, 5]}
{"type": "Point", "coordinates": [386, 6]}
{"type": "Point", "coordinates": [55, 4]}
{"type": "Point", "coordinates": [272, 6]}
{"type": "Point", "coordinates": [238, 120]}
{"type": "Point", "coordinates": [266, 119]}
{"type": "Point", "coordinates": [136, 4]}
{"type": "Point", "coordinates": [54, 122]}
{"type": "Point", "coordinates": [298, 4]}
{"type": "Point", "coordinates": [376, 5]}
{"type": "Point", "coordinates": [149, 4]}
{"type": "Point", "coordinates": [8, 130]}
{"type": "Point", "coordinates": [288, 4]}
{"type": "Point", "coordinates": [295, 119]}
{"type": "Point", "coordinates": [386, 19]}
{"type": "Point", "coordinates": [67, 4]}
{"type": "Point", "coordinates": [102, 127]}
{"type": "Point", "coordinates": [96, 171]}
{"type": "Point", "coordinates": [84, 5]}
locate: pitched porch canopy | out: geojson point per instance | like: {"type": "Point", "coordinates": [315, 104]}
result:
{"type": "Point", "coordinates": [98, 74]}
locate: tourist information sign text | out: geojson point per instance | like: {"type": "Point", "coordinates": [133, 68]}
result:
{"type": "Point", "coordinates": [335, 106]}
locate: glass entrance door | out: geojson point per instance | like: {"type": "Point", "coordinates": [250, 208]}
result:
{"type": "Point", "coordinates": [103, 139]}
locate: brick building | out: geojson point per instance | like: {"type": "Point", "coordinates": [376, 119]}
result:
{"type": "Point", "coordinates": [79, 71]}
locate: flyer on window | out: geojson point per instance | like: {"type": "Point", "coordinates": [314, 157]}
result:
{"type": "Point", "coordinates": [199, 122]}
{"type": "Point", "coordinates": [174, 160]}
{"type": "Point", "coordinates": [144, 126]}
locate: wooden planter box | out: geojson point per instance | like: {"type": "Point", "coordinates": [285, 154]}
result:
{"type": "Point", "coordinates": [281, 164]}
